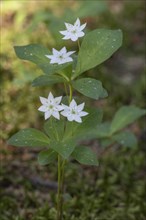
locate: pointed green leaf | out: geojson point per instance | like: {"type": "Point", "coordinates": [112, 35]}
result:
{"type": "Point", "coordinates": [54, 129]}
{"type": "Point", "coordinates": [125, 116]}
{"type": "Point", "coordinates": [89, 122]}
{"type": "Point", "coordinates": [47, 80]}
{"type": "Point", "coordinates": [36, 54]}
{"type": "Point", "coordinates": [86, 129]}
{"type": "Point", "coordinates": [98, 131]}
{"type": "Point", "coordinates": [46, 157]}
{"type": "Point", "coordinates": [97, 46]}
{"type": "Point", "coordinates": [85, 155]}
{"type": "Point", "coordinates": [125, 138]}
{"type": "Point", "coordinates": [90, 87]}
{"type": "Point", "coordinates": [64, 147]}
{"type": "Point", "coordinates": [29, 137]}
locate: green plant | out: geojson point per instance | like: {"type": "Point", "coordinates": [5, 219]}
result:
{"type": "Point", "coordinates": [61, 136]}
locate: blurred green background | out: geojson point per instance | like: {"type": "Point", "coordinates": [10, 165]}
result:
{"type": "Point", "coordinates": [123, 76]}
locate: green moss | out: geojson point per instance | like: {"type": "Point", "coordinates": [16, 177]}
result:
{"type": "Point", "coordinates": [114, 190]}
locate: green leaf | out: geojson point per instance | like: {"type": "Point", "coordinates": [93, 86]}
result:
{"type": "Point", "coordinates": [106, 142]}
{"type": "Point", "coordinates": [44, 80]}
{"type": "Point", "coordinates": [125, 116]}
{"type": "Point", "coordinates": [125, 138]}
{"type": "Point", "coordinates": [29, 137]}
{"type": "Point", "coordinates": [46, 157]}
{"type": "Point", "coordinates": [85, 155]}
{"type": "Point", "coordinates": [36, 54]}
{"type": "Point", "coordinates": [59, 142]}
{"type": "Point", "coordinates": [90, 9]}
{"type": "Point", "coordinates": [64, 147]}
{"type": "Point", "coordinates": [97, 46]}
{"type": "Point", "coordinates": [54, 129]}
{"type": "Point", "coordinates": [86, 129]}
{"type": "Point", "coordinates": [90, 121]}
{"type": "Point", "coordinates": [103, 130]}
{"type": "Point", "coordinates": [90, 87]}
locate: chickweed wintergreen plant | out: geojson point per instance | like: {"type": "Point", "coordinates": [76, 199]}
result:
{"type": "Point", "coordinates": [66, 121]}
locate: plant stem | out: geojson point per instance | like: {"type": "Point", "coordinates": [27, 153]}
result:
{"type": "Point", "coordinates": [65, 77]}
{"type": "Point", "coordinates": [70, 93]}
{"type": "Point", "coordinates": [79, 44]}
{"type": "Point", "coordinates": [62, 186]}
{"type": "Point", "coordinates": [59, 199]}
{"type": "Point", "coordinates": [65, 87]}
{"type": "Point", "coordinates": [61, 166]}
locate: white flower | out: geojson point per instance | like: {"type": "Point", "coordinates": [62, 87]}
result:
{"type": "Point", "coordinates": [74, 112]}
{"type": "Point", "coordinates": [50, 106]}
{"type": "Point", "coordinates": [73, 32]}
{"type": "Point", "coordinates": [61, 56]}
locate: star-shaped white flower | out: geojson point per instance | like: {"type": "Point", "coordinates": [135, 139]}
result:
{"type": "Point", "coordinates": [74, 112]}
{"type": "Point", "coordinates": [73, 32]}
{"type": "Point", "coordinates": [61, 56]}
{"type": "Point", "coordinates": [50, 106]}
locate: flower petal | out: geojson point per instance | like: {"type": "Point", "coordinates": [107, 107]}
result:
{"type": "Point", "coordinates": [49, 56]}
{"type": "Point", "coordinates": [65, 107]}
{"type": "Point", "coordinates": [80, 107]}
{"type": "Point", "coordinates": [58, 99]}
{"type": "Point", "coordinates": [56, 114]}
{"type": "Point", "coordinates": [77, 22]}
{"type": "Point", "coordinates": [55, 52]}
{"type": "Point", "coordinates": [62, 61]}
{"type": "Point", "coordinates": [50, 97]}
{"type": "Point", "coordinates": [68, 26]}
{"type": "Point", "coordinates": [65, 113]}
{"type": "Point", "coordinates": [59, 108]}
{"type": "Point", "coordinates": [47, 115]}
{"type": "Point", "coordinates": [82, 27]}
{"type": "Point", "coordinates": [64, 32]}
{"type": "Point", "coordinates": [81, 34]}
{"type": "Point", "coordinates": [43, 108]}
{"type": "Point", "coordinates": [67, 37]}
{"type": "Point", "coordinates": [63, 50]}
{"type": "Point", "coordinates": [68, 59]}
{"type": "Point", "coordinates": [70, 52]}
{"type": "Point", "coordinates": [73, 37]}
{"type": "Point", "coordinates": [43, 100]}
{"type": "Point", "coordinates": [54, 60]}
{"type": "Point", "coordinates": [77, 118]}
{"type": "Point", "coordinates": [83, 113]}
{"type": "Point", "coordinates": [73, 104]}
{"type": "Point", "coordinates": [70, 117]}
